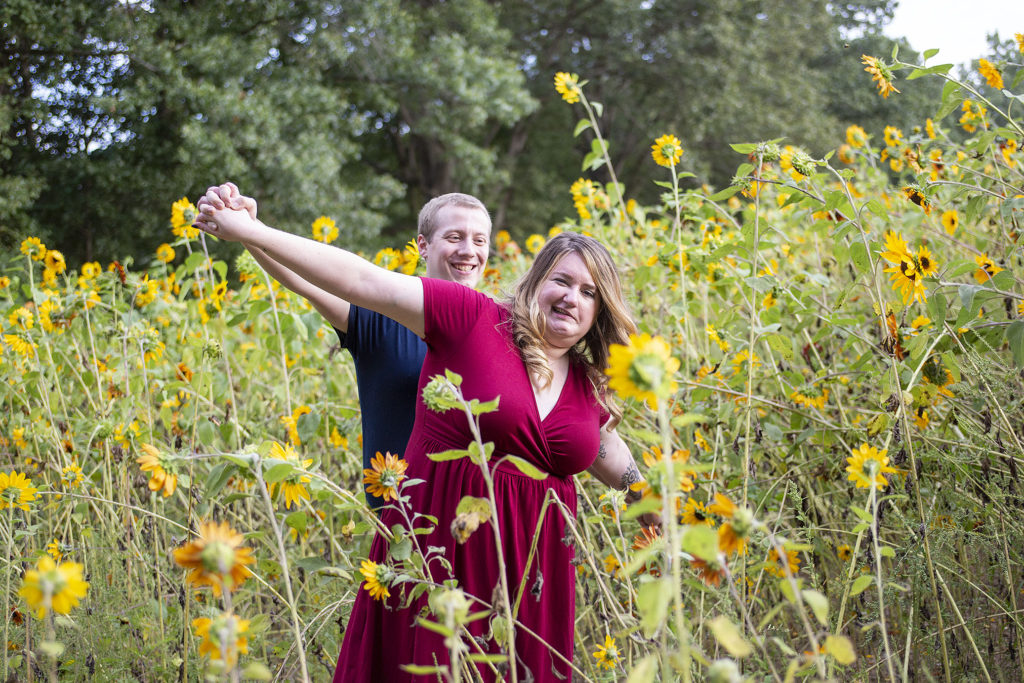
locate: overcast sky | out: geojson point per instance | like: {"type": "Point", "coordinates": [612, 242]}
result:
{"type": "Point", "coordinates": [957, 27]}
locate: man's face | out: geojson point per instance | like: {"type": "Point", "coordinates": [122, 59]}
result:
{"type": "Point", "coordinates": [457, 251]}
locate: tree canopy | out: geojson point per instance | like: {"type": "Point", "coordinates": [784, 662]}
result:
{"type": "Point", "coordinates": [110, 110]}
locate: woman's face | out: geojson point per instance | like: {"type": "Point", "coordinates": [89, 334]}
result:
{"type": "Point", "coordinates": [568, 301]}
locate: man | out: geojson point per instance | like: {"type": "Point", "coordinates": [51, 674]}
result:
{"type": "Point", "coordinates": [453, 236]}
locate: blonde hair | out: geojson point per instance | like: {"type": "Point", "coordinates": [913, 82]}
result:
{"type": "Point", "coordinates": [613, 322]}
{"type": "Point", "coordinates": [427, 223]}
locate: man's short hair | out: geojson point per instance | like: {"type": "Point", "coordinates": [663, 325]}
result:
{"type": "Point", "coordinates": [427, 223]}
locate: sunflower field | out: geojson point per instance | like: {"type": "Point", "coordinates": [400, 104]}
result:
{"type": "Point", "coordinates": [825, 399]}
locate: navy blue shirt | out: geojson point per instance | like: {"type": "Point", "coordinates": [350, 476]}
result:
{"type": "Point", "coordinates": [388, 358]}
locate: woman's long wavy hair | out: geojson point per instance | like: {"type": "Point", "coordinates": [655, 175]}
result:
{"type": "Point", "coordinates": [613, 322]}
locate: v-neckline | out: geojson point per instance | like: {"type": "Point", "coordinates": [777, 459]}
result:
{"type": "Point", "coordinates": [558, 399]}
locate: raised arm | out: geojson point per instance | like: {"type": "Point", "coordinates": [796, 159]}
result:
{"type": "Point", "coordinates": [337, 272]}
{"type": "Point", "coordinates": [615, 467]}
{"type": "Point", "coordinates": [334, 309]}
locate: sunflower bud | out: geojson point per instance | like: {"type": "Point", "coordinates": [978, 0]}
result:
{"type": "Point", "coordinates": [768, 151]}
{"type": "Point", "coordinates": [440, 394]}
{"type": "Point", "coordinates": [724, 671]}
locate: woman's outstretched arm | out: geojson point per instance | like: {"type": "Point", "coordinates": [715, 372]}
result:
{"type": "Point", "coordinates": [336, 271]}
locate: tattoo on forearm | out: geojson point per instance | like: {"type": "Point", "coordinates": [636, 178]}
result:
{"type": "Point", "coordinates": [602, 452]}
{"type": "Point", "coordinates": [630, 476]}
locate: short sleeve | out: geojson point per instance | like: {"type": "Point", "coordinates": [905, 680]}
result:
{"type": "Point", "coordinates": [451, 310]}
{"type": "Point", "coordinates": [349, 339]}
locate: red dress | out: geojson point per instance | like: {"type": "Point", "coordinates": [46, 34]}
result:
{"type": "Point", "coordinates": [467, 332]}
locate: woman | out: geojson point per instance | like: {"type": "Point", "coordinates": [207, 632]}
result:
{"type": "Point", "coordinates": [543, 353]}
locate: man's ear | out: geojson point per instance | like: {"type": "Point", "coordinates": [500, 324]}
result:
{"type": "Point", "coordinates": [421, 244]}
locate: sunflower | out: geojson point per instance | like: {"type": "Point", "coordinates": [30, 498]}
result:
{"type": "Point", "coordinates": [410, 257]}
{"type": "Point", "coordinates": [292, 487]}
{"type": "Point", "coordinates": [880, 74]}
{"type": "Point", "coordinates": [695, 512]}
{"type": "Point", "coordinates": [612, 565]}
{"type": "Point", "coordinates": [534, 243]}
{"type": "Point", "coordinates": [893, 136]}
{"type": "Point", "coordinates": [1019, 37]}
{"type": "Point", "coordinates": [72, 476]}
{"type": "Point", "coordinates": [325, 230]}
{"type": "Point", "coordinates": [929, 129]}
{"type": "Point", "coordinates": [907, 270]}
{"type": "Point", "coordinates": [867, 465]}
{"type": "Point", "coordinates": [54, 549]}
{"type": "Point", "coordinates": [183, 215]}
{"type": "Point", "coordinates": [990, 73]}
{"type": "Point", "coordinates": [917, 197]}
{"type": "Point", "coordinates": [667, 151]}
{"type": "Point", "coordinates": [33, 248]}
{"type": "Point", "coordinates": [711, 573]}
{"type": "Point", "coordinates": [384, 476]}
{"type": "Point", "coordinates": [162, 471]}
{"type": "Point", "coordinates": [216, 558]}
{"type": "Point", "coordinates": [775, 567]}
{"type": "Point", "coordinates": [567, 85]}
{"type": "Point", "coordinates": [950, 220]}
{"type": "Point", "coordinates": [54, 260]}
{"type": "Point", "coordinates": [744, 356]}
{"type": "Point", "coordinates": [986, 268]}
{"type": "Point", "coordinates": [16, 491]}
{"type": "Point", "coordinates": [925, 263]}
{"type": "Point", "coordinates": [856, 137]}
{"type": "Point", "coordinates": [221, 637]}
{"type": "Point", "coordinates": [844, 552]}
{"type": "Point", "coordinates": [845, 154]}
{"type": "Point", "coordinates": [52, 586]}
{"type": "Point", "coordinates": [22, 317]}
{"type": "Point", "coordinates": [730, 540]}
{"type": "Point", "coordinates": [164, 252]}
{"type": "Point", "coordinates": [377, 579]}
{"type": "Point", "coordinates": [810, 397]}
{"type": "Point", "coordinates": [647, 536]}
{"type": "Point", "coordinates": [291, 423]}
{"type": "Point", "coordinates": [642, 369]}
{"type": "Point", "coordinates": [921, 418]}
{"type": "Point", "coordinates": [607, 655]}
{"type": "Point", "coordinates": [679, 457]}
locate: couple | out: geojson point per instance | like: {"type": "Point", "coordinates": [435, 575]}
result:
{"type": "Point", "coordinates": [543, 351]}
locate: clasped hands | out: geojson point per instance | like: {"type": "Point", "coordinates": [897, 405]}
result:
{"type": "Point", "coordinates": [226, 213]}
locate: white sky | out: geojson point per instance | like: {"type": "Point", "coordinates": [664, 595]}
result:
{"type": "Point", "coordinates": [957, 27]}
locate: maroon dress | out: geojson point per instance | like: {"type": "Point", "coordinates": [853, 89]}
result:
{"type": "Point", "coordinates": [467, 332]}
